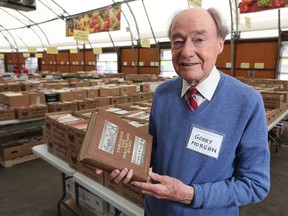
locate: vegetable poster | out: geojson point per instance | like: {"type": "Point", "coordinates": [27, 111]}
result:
{"type": "Point", "coordinates": [99, 20]}
{"type": "Point", "coordinates": [246, 6]}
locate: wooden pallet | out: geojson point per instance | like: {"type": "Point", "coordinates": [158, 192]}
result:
{"type": "Point", "coordinates": [18, 160]}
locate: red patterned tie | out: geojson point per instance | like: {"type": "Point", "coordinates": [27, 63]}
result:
{"type": "Point", "coordinates": [192, 102]}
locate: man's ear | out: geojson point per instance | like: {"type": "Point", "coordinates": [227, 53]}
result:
{"type": "Point", "coordinates": [220, 45]}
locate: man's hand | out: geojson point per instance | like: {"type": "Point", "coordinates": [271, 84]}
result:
{"type": "Point", "coordinates": [166, 188]}
{"type": "Point", "coordinates": [116, 175]}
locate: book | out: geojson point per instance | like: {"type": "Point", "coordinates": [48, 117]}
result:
{"type": "Point", "coordinates": [111, 143]}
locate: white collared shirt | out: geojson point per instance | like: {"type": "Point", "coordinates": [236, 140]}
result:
{"type": "Point", "coordinates": [206, 88]}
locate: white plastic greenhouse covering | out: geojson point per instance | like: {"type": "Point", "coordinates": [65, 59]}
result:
{"type": "Point", "coordinates": [22, 29]}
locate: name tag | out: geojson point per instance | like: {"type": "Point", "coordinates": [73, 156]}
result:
{"type": "Point", "coordinates": [205, 142]}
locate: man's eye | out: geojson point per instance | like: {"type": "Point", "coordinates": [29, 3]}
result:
{"type": "Point", "coordinates": [177, 43]}
{"type": "Point", "coordinates": [198, 41]}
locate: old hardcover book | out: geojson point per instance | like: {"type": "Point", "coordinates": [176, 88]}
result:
{"type": "Point", "coordinates": [111, 143]}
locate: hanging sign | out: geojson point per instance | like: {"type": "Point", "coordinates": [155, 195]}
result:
{"type": "Point", "coordinates": [195, 3]}
{"type": "Point", "coordinates": [246, 6]}
{"type": "Point", "coordinates": [2, 56]}
{"type": "Point", "coordinates": [97, 50]}
{"type": "Point", "coordinates": [26, 55]}
{"type": "Point", "coordinates": [32, 49]}
{"type": "Point", "coordinates": [145, 43]}
{"type": "Point", "coordinates": [81, 35]}
{"type": "Point", "coordinates": [74, 50]}
{"type": "Point", "coordinates": [52, 50]}
{"type": "Point", "coordinates": [248, 23]}
{"type": "Point", "coordinates": [99, 20]}
{"type": "Point", "coordinates": [39, 55]}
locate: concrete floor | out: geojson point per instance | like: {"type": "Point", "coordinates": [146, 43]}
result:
{"type": "Point", "coordinates": [33, 188]}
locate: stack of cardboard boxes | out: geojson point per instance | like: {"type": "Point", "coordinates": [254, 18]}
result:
{"type": "Point", "coordinates": [64, 132]}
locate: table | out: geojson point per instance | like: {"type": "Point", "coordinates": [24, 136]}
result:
{"type": "Point", "coordinates": [17, 121]}
{"type": "Point", "coordinates": [109, 196]}
{"type": "Point", "coordinates": [276, 121]}
{"type": "Point", "coordinates": [66, 173]}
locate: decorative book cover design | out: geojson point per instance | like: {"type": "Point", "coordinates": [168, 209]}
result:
{"type": "Point", "coordinates": [111, 143]}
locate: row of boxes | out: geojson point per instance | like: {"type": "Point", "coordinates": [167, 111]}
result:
{"type": "Point", "coordinates": [64, 132]}
{"type": "Point", "coordinates": [32, 105]}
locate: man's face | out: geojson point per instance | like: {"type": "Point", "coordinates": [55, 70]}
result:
{"type": "Point", "coordinates": [195, 45]}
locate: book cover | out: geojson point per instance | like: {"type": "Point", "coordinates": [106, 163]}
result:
{"type": "Point", "coordinates": [111, 143]}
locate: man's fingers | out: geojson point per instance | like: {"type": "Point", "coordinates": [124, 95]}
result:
{"type": "Point", "coordinates": [114, 174]}
{"type": "Point", "coordinates": [128, 176]}
{"type": "Point", "coordinates": [121, 175]}
{"type": "Point", "coordinates": [98, 171]}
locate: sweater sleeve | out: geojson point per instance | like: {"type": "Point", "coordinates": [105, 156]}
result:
{"type": "Point", "coordinates": [251, 180]}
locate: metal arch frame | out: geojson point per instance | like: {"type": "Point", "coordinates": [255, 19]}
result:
{"type": "Point", "coordinates": [138, 35]}
{"type": "Point", "coordinates": [37, 26]}
{"type": "Point", "coordinates": [156, 43]}
{"type": "Point", "coordinates": [235, 35]}
{"type": "Point", "coordinates": [15, 44]}
{"type": "Point", "coordinates": [9, 44]}
{"type": "Point", "coordinates": [25, 26]}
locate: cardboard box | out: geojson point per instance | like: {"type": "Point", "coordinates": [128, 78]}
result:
{"type": "Point", "coordinates": [37, 98]}
{"type": "Point", "coordinates": [79, 94]}
{"type": "Point", "coordinates": [16, 99]}
{"type": "Point", "coordinates": [127, 191]}
{"type": "Point", "coordinates": [51, 97]}
{"type": "Point", "coordinates": [85, 169]}
{"type": "Point", "coordinates": [89, 200]}
{"type": "Point", "coordinates": [20, 148]}
{"type": "Point", "coordinates": [88, 103]}
{"type": "Point", "coordinates": [58, 149]}
{"type": "Point", "coordinates": [119, 99]}
{"type": "Point", "coordinates": [62, 106]}
{"type": "Point", "coordinates": [105, 91]}
{"type": "Point", "coordinates": [56, 128]}
{"type": "Point", "coordinates": [7, 113]}
{"type": "Point", "coordinates": [111, 143]}
{"type": "Point", "coordinates": [273, 101]}
{"type": "Point", "coordinates": [14, 86]}
{"type": "Point", "coordinates": [127, 89]}
{"type": "Point", "coordinates": [103, 101]}
{"type": "Point", "coordinates": [76, 133]}
{"type": "Point", "coordinates": [66, 96]}
{"type": "Point", "coordinates": [28, 86]}
{"type": "Point", "coordinates": [32, 111]}
{"type": "Point", "coordinates": [92, 92]}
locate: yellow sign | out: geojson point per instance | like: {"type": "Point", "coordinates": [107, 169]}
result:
{"type": "Point", "coordinates": [248, 22]}
{"type": "Point", "coordinates": [26, 55]}
{"type": "Point", "coordinates": [195, 3]}
{"type": "Point", "coordinates": [39, 55]}
{"type": "Point", "coordinates": [52, 50]}
{"type": "Point", "coordinates": [80, 35]}
{"type": "Point", "coordinates": [97, 50]}
{"type": "Point", "coordinates": [32, 49]}
{"type": "Point", "coordinates": [73, 50]}
{"type": "Point", "coordinates": [145, 43]}
{"type": "Point", "coordinates": [259, 65]}
{"type": "Point", "coordinates": [2, 56]}
{"type": "Point", "coordinates": [245, 65]}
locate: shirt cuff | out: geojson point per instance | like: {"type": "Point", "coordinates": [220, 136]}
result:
{"type": "Point", "coordinates": [198, 196]}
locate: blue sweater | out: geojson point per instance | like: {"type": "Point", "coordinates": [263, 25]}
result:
{"type": "Point", "coordinates": [233, 173]}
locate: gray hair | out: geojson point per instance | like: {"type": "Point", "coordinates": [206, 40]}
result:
{"type": "Point", "coordinates": [222, 30]}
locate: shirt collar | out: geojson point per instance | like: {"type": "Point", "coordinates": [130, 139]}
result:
{"type": "Point", "coordinates": [207, 87]}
